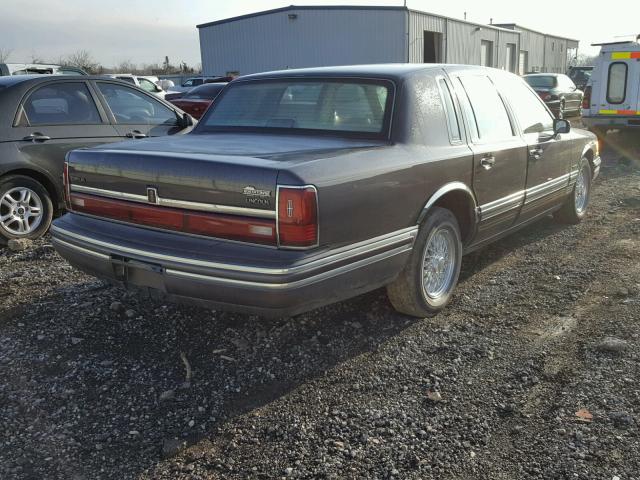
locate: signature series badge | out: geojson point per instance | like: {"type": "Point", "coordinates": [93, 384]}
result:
{"type": "Point", "coordinates": [255, 196]}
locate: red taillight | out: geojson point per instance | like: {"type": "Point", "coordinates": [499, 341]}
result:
{"type": "Point", "coordinates": [544, 95]}
{"type": "Point", "coordinates": [65, 183]}
{"type": "Point", "coordinates": [297, 217]}
{"type": "Point", "coordinates": [586, 100]}
{"type": "Point", "coordinates": [231, 227]}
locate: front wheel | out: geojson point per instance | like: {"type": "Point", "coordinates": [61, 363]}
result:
{"type": "Point", "coordinates": [426, 284]}
{"type": "Point", "coordinates": [575, 206]}
{"type": "Point", "coordinates": [26, 209]}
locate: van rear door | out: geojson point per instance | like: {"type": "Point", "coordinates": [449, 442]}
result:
{"type": "Point", "coordinates": [620, 84]}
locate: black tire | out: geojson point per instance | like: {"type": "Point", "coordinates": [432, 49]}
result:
{"type": "Point", "coordinates": [8, 231]}
{"type": "Point", "coordinates": [569, 212]}
{"type": "Point", "coordinates": [406, 293]}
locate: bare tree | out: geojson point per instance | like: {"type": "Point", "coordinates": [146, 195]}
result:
{"type": "Point", "coordinates": [126, 66]}
{"type": "Point", "coordinates": [5, 53]}
{"type": "Point", "coordinates": [82, 59]}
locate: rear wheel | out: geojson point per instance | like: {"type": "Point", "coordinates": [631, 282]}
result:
{"type": "Point", "coordinates": [575, 206]}
{"type": "Point", "coordinates": [427, 282]}
{"type": "Point", "coordinates": [26, 209]}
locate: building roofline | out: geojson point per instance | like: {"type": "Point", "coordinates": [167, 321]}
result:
{"type": "Point", "coordinates": [483, 25]}
{"type": "Point", "coordinates": [509, 26]}
{"type": "Point", "coordinates": [302, 7]}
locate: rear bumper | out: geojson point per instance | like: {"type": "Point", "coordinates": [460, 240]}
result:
{"type": "Point", "coordinates": [609, 121]}
{"type": "Point", "coordinates": [229, 275]}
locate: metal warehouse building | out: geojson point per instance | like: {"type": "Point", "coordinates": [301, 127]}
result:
{"type": "Point", "coordinates": [296, 37]}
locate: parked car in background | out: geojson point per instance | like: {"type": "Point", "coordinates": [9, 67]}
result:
{"type": "Point", "coordinates": [580, 76]}
{"type": "Point", "coordinates": [190, 83]}
{"type": "Point", "coordinates": [305, 187]}
{"type": "Point", "coordinates": [196, 101]}
{"type": "Point", "coordinates": [38, 68]}
{"type": "Point", "coordinates": [612, 99]}
{"type": "Point", "coordinates": [557, 91]}
{"type": "Point", "coordinates": [145, 83]}
{"type": "Point", "coordinates": [43, 117]}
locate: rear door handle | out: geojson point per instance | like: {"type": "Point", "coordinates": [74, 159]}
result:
{"type": "Point", "coordinates": [36, 137]}
{"type": "Point", "coordinates": [536, 153]}
{"type": "Point", "coordinates": [488, 161]}
{"type": "Point", "coordinates": [135, 134]}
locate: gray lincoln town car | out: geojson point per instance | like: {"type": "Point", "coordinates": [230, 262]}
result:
{"type": "Point", "coordinates": [305, 187]}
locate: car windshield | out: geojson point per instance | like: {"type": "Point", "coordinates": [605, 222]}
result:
{"type": "Point", "coordinates": [541, 81]}
{"type": "Point", "coordinates": [328, 105]}
{"type": "Point", "coordinates": [205, 92]}
{"type": "Point", "coordinates": [580, 75]}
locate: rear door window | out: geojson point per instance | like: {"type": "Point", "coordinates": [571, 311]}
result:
{"type": "Point", "coordinates": [617, 82]}
{"type": "Point", "coordinates": [489, 113]}
{"type": "Point", "coordinates": [68, 103]}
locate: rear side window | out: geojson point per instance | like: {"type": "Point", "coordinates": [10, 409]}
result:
{"type": "Point", "coordinates": [617, 82]}
{"type": "Point", "coordinates": [68, 103]}
{"type": "Point", "coordinates": [489, 113]}
{"type": "Point", "coordinates": [450, 111]}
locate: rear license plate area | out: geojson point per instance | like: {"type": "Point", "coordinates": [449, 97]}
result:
{"type": "Point", "coordinates": [145, 274]}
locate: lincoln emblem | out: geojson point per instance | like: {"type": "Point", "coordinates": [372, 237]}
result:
{"type": "Point", "coordinates": [152, 195]}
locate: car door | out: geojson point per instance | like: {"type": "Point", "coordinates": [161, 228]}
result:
{"type": "Point", "coordinates": [499, 154]}
{"type": "Point", "coordinates": [137, 114]}
{"type": "Point", "coordinates": [55, 118]}
{"type": "Point", "coordinates": [549, 156]}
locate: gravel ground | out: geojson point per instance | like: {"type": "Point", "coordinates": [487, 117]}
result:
{"type": "Point", "coordinates": [532, 372]}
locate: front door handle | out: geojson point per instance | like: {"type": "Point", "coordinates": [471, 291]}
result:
{"type": "Point", "coordinates": [135, 134]}
{"type": "Point", "coordinates": [36, 137]}
{"type": "Point", "coordinates": [536, 153]}
{"type": "Point", "coordinates": [488, 161]}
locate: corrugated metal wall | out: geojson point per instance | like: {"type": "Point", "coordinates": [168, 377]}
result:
{"type": "Point", "coordinates": [533, 43]}
{"type": "Point", "coordinates": [418, 23]}
{"type": "Point", "coordinates": [315, 38]}
{"type": "Point", "coordinates": [460, 40]}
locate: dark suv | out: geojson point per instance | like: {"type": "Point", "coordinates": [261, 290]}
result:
{"type": "Point", "coordinates": [304, 187]}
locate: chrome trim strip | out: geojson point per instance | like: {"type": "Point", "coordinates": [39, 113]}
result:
{"type": "Point", "coordinates": [501, 205]}
{"type": "Point", "coordinates": [80, 249]}
{"type": "Point", "coordinates": [334, 256]}
{"type": "Point", "coordinates": [546, 188]}
{"type": "Point", "coordinates": [297, 283]}
{"type": "Point", "coordinates": [170, 202]}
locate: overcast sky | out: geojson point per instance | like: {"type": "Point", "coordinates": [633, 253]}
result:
{"type": "Point", "coordinates": [144, 31]}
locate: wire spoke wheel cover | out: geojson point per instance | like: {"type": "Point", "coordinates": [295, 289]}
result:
{"type": "Point", "coordinates": [581, 194]}
{"type": "Point", "coordinates": [21, 211]}
{"type": "Point", "coordinates": [439, 263]}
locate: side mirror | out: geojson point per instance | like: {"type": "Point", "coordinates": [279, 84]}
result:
{"type": "Point", "coordinates": [158, 88]}
{"type": "Point", "coordinates": [186, 120]}
{"type": "Point", "coordinates": [560, 125]}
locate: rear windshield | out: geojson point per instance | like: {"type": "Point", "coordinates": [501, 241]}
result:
{"type": "Point", "coordinates": [354, 107]}
{"type": "Point", "coordinates": [541, 81]}
{"type": "Point", "coordinates": [208, 91]}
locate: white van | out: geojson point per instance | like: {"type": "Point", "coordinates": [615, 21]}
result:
{"type": "Point", "coordinates": [612, 98]}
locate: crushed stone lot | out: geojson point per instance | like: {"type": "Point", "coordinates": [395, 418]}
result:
{"type": "Point", "coordinates": [532, 371]}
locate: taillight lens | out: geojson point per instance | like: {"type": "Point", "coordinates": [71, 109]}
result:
{"type": "Point", "coordinates": [544, 95]}
{"type": "Point", "coordinates": [232, 227]}
{"type": "Point", "coordinates": [586, 100]}
{"type": "Point", "coordinates": [297, 216]}
{"type": "Point", "coordinates": [66, 186]}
